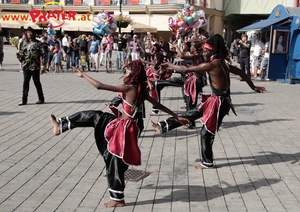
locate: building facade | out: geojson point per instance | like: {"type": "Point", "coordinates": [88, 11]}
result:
{"type": "Point", "coordinates": [154, 13]}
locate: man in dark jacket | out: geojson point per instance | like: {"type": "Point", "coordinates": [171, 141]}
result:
{"type": "Point", "coordinates": [30, 54]}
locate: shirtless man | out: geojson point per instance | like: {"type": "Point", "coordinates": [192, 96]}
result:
{"type": "Point", "coordinates": [215, 106]}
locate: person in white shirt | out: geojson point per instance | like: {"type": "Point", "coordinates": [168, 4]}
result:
{"type": "Point", "coordinates": [64, 43]}
{"type": "Point", "coordinates": [258, 47]}
{"type": "Point", "coordinates": [265, 61]}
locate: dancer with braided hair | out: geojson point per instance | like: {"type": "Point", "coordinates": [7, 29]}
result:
{"type": "Point", "coordinates": [215, 106]}
{"type": "Point", "coordinates": [116, 136]}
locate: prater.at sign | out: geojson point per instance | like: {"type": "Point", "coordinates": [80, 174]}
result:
{"type": "Point", "coordinates": [43, 16]}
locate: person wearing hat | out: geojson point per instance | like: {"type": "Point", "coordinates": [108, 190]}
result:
{"type": "Point", "coordinates": [30, 54]}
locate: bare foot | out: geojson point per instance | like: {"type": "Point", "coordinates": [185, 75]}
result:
{"type": "Point", "coordinates": [157, 127]}
{"type": "Point", "coordinates": [56, 130]}
{"type": "Point", "coordinates": [113, 203]}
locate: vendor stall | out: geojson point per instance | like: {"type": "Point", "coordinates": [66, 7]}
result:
{"type": "Point", "coordinates": [283, 26]}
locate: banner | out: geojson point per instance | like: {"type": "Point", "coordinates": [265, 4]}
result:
{"type": "Point", "coordinates": [132, 2]}
{"type": "Point", "coordinates": [16, 1]}
{"type": "Point", "coordinates": [164, 1]}
{"type": "Point", "coordinates": [77, 2]}
{"type": "Point", "coordinates": [105, 2]}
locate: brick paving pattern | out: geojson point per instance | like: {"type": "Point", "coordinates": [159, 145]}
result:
{"type": "Point", "coordinates": [256, 153]}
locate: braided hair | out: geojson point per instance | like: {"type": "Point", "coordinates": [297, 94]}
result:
{"type": "Point", "coordinates": [138, 78]}
{"type": "Point", "coordinates": [218, 44]}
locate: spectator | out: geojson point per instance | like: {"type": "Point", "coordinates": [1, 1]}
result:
{"type": "Point", "coordinates": [65, 46]}
{"type": "Point", "coordinates": [258, 47]}
{"type": "Point", "coordinates": [57, 57]}
{"type": "Point", "coordinates": [108, 41]}
{"type": "Point", "coordinates": [148, 47]}
{"type": "Point", "coordinates": [51, 43]}
{"type": "Point", "coordinates": [265, 61]}
{"type": "Point", "coordinates": [95, 51]}
{"type": "Point", "coordinates": [70, 51]}
{"type": "Point", "coordinates": [244, 46]}
{"type": "Point", "coordinates": [30, 54]}
{"type": "Point", "coordinates": [22, 41]}
{"type": "Point", "coordinates": [46, 49]}
{"type": "Point", "coordinates": [135, 48]}
{"type": "Point", "coordinates": [82, 60]}
{"type": "Point", "coordinates": [122, 45]}
{"type": "Point", "coordinates": [84, 46]}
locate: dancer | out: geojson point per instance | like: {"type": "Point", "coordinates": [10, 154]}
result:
{"type": "Point", "coordinates": [154, 73]}
{"type": "Point", "coordinates": [195, 81]}
{"type": "Point", "coordinates": [116, 137]}
{"type": "Point", "coordinates": [214, 106]}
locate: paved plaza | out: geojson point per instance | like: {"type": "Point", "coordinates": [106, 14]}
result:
{"type": "Point", "coordinates": [256, 153]}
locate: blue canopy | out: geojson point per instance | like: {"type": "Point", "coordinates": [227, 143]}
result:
{"type": "Point", "coordinates": [262, 24]}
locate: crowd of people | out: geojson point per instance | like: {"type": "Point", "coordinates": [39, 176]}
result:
{"type": "Point", "coordinates": [256, 64]}
{"type": "Point", "coordinates": [147, 68]}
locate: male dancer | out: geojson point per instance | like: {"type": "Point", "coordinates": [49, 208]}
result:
{"type": "Point", "coordinates": [215, 106]}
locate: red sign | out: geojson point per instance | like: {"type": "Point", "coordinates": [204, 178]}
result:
{"type": "Point", "coordinates": [164, 1]}
{"type": "Point", "coordinates": [77, 2]}
{"type": "Point", "coordinates": [132, 2]}
{"type": "Point", "coordinates": [16, 1]}
{"type": "Point", "coordinates": [105, 2]}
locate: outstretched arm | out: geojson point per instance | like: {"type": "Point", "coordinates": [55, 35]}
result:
{"type": "Point", "coordinates": [239, 72]}
{"type": "Point", "coordinates": [145, 61]}
{"type": "Point", "coordinates": [159, 106]}
{"type": "Point", "coordinates": [99, 85]}
{"type": "Point", "coordinates": [202, 68]}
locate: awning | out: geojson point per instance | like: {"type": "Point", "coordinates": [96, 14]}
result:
{"type": "Point", "coordinates": [139, 28]}
{"type": "Point", "coordinates": [262, 24]}
{"type": "Point", "coordinates": [10, 24]}
{"type": "Point", "coordinates": [85, 26]}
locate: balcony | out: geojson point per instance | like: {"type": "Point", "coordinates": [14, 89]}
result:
{"type": "Point", "coordinates": [211, 4]}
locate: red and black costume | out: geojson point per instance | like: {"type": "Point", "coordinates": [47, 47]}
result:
{"type": "Point", "coordinates": [212, 109]}
{"type": "Point", "coordinates": [153, 78]}
{"type": "Point", "coordinates": [117, 141]}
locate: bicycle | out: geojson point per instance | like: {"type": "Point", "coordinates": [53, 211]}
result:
{"type": "Point", "coordinates": [108, 62]}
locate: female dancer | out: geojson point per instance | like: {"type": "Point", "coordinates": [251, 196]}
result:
{"type": "Point", "coordinates": [116, 137]}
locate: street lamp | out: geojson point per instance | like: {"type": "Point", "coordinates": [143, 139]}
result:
{"type": "Point", "coordinates": [120, 2]}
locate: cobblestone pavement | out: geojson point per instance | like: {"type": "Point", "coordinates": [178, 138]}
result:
{"type": "Point", "coordinates": [256, 153]}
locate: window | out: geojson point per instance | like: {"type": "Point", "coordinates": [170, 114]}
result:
{"type": "Point", "coordinates": [77, 2]}
{"type": "Point", "coordinates": [40, 2]}
{"type": "Point", "coordinates": [14, 1]}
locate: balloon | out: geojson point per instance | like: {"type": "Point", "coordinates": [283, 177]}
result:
{"type": "Point", "coordinates": [172, 22]}
{"type": "Point", "coordinates": [182, 24]}
{"type": "Point", "coordinates": [114, 27]}
{"type": "Point", "coordinates": [195, 16]}
{"type": "Point", "coordinates": [180, 16]}
{"type": "Point", "coordinates": [201, 13]}
{"type": "Point", "coordinates": [103, 24]}
{"type": "Point", "coordinates": [205, 22]}
{"type": "Point", "coordinates": [188, 19]}
{"type": "Point", "coordinates": [196, 24]}
{"type": "Point", "coordinates": [187, 6]}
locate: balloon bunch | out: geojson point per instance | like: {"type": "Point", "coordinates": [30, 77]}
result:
{"type": "Point", "coordinates": [103, 24]}
{"type": "Point", "coordinates": [51, 32]}
{"type": "Point", "coordinates": [186, 19]}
